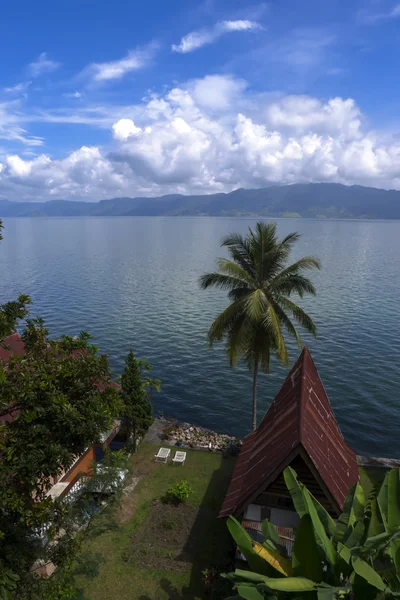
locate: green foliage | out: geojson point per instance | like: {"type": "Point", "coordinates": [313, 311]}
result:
{"type": "Point", "coordinates": [260, 284]}
{"type": "Point", "coordinates": [178, 493]}
{"type": "Point", "coordinates": [134, 394]}
{"type": "Point", "coordinates": [58, 403]}
{"type": "Point", "coordinates": [168, 524]}
{"type": "Point", "coordinates": [331, 560]}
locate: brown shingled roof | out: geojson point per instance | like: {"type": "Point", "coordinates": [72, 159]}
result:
{"type": "Point", "coordinates": [10, 345]}
{"type": "Point", "coordinates": [299, 426]}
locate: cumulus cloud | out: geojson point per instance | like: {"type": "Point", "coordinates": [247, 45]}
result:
{"type": "Point", "coordinates": [196, 39]}
{"type": "Point", "coordinates": [125, 128]}
{"type": "Point", "coordinates": [191, 141]}
{"type": "Point", "coordinates": [117, 69]}
{"type": "Point", "coordinates": [42, 65]}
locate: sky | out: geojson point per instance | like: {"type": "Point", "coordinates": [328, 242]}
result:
{"type": "Point", "coordinates": [101, 99]}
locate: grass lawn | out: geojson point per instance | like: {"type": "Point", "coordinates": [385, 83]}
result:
{"type": "Point", "coordinates": [153, 551]}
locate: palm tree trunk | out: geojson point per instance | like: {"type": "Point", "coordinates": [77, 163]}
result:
{"type": "Point", "coordinates": [255, 373]}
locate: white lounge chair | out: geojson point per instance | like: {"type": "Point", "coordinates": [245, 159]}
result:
{"type": "Point", "coordinates": [163, 454]}
{"type": "Point", "coordinates": [179, 458]}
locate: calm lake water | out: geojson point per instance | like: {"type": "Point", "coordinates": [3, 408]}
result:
{"type": "Point", "coordinates": [133, 282]}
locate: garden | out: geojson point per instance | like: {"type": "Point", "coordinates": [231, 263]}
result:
{"type": "Point", "coordinates": [164, 541]}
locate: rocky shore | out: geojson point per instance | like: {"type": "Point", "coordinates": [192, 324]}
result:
{"type": "Point", "coordinates": [186, 435]}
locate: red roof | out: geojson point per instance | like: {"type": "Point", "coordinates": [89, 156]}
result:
{"type": "Point", "coordinates": [300, 421]}
{"type": "Point", "coordinates": [15, 345]}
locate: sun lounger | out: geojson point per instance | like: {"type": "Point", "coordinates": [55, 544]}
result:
{"type": "Point", "coordinates": [179, 458]}
{"type": "Point", "coordinates": [163, 454]}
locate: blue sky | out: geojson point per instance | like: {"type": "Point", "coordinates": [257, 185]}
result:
{"type": "Point", "coordinates": [101, 99]}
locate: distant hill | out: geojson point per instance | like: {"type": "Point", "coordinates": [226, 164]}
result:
{"type": "Point", "coordinates": [317, 200]}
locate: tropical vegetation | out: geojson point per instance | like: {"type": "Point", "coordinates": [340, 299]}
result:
{"type": "Point", "coordinates": [356, 557]}
{"type": "Point", "coordinates": [260, 284]}
{"type": "Point", "coordinates": [135, 388]}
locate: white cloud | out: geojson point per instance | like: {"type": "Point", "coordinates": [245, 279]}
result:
{"type": "Point", "coordinates": [19, 88]}
{"type": "Point", "coordinates": [10, 127]}
{"type": "Point", "coordinates": [368, 16]}
{"type": "Point", "coordinates": [117, 69]}
{"type": "Point", "coordinates": [74, 94]}
{"type": "Point", "coordinates": [196, 39]}
{"type": "Point", "coordinates": [217, 91]}
{"type": "Point", "coordinates": [184, 141]}
{"type": "Point", "coordinates": [303, 113]}
{"type": "Point", "coordinates": [43, 64]}
{"type": "Point", "coordinates": [125, 128]}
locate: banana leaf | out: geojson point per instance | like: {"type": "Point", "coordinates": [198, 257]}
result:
{"type": "Point", "coordinates": [353, 511]}
{"type": "Point", "coordinates": [245, 544]}
{"type": "Point", "coordinates": [291, 584]}
{"type": "Point", "coordinates": [328, 592]}
{"type": "Point", "coordinates": [296, 491]}
{"type": "Point", "coordinates": [270, 535]}
{"type": "Point", "coordinates": [364, 570]}
{"type": "Point", "coordinates": [321, 536]}
{"type": "Point", "coordinates": [278, 562]}
{"type": "Point", "coordinates": [284, 584]}
{"type": "Point", "coordinates": [306, 557]}
{"type": "Point", "coordinates": [383, 500]}
{"type": "Point", "coordinates": [393, 499]}
{"type": "Point", "coordinates": [375, 525]}
{"type": "Point", "coordinates": [356, 535]}
{"type": "Point", "coordinates": [344, 553]}
{"type": "Point", "coordinates": [249, 592]}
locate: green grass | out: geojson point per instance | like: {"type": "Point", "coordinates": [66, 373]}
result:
{"type": "Point", "coordinates": [112, 575]}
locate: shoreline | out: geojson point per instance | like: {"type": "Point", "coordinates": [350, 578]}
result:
{"type": "Point", "coordinates": [199, 438]}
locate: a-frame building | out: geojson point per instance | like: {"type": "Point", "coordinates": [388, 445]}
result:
{"type": "Point", "coordinates": [300, 430]}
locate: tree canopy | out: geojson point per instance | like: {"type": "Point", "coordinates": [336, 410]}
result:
{"type": "Point", "coordinates": [135, 384]}
{"type": "Point", "coordinates": [55, 401]}
{"type": "Point", "coordinates": [260, 283]}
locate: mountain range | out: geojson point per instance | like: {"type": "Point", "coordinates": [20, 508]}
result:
{"type": "Point", "coordinates": [312, 200]}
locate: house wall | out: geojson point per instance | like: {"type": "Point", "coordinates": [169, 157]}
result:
{"type": "Point", "coordinates": [83, 465]}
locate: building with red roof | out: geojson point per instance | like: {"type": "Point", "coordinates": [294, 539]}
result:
{"type": "Point", "coordinates": [299, 430]}
{"type": "Point", "coordinates": [71, 479]}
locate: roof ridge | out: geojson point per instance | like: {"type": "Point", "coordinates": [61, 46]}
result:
{"type": "Point", "coordinates": [301, 395]}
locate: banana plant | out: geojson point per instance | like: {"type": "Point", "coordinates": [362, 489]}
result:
{"type": "Point", "coordinates": [355, 557]}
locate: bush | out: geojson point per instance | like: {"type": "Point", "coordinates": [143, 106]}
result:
{"type": "Point", "coordinates": [178, 493]}
{"type": "Point", "coordinates": [168, 524]}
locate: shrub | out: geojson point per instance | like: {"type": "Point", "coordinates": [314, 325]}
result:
{"type": "Point", "coordinates": [168, 524]}
{"type": "Point", "coordinates": [178, 493]}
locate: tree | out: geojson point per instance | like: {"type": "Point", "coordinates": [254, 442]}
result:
{"type": "Point", "coordinates": [260, 283]}
{"type": "Point", "coordinates": [58, 402]}
{"type": "Point", "coordinates": [355, 557]}
{"type": "Point", "coordinates": [136, 406]}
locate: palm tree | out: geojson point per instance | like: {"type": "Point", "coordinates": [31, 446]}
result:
{"type": "Point", "coordinates": [260, 283]}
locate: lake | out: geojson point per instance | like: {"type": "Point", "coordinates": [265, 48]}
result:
{"type": "Point", "coordinates": [133, 282]}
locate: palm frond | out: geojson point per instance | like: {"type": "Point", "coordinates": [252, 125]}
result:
{"type": "Point", "coordinates": [232, 269]}
{"type": "Point", "coordinates": [287, 323]}
{"type": "Point", "coordinates": [225, 320]}
{"type": "Point", "coordinates": [256, 305]}
{"type": "Point", "coordinates": [299, 314]}
{"type": "Point", "coordinates": [259, 351]}
{"type": "Point", "coordinates": [240, 251]}
{"type": "Point", "coordinates": [239, 339]}
{"type": "Point", "coordinates": [294, 284]}
{"type": "Point", "coordinates": [296, 268]}
{"type": "Point", "coordinates": [291, 239]}
{"type": "Point", "coordinates": [220, 281]}
{"type": "Point", "coordinates": [272, 325]}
